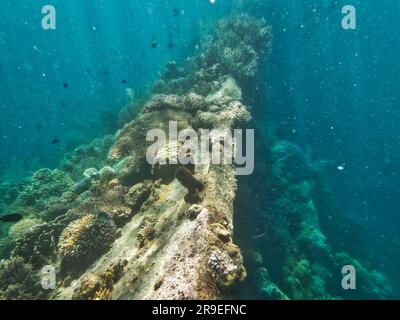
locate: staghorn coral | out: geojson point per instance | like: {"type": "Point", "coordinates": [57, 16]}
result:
{"type": "Point", "coordinates": [83, 241]}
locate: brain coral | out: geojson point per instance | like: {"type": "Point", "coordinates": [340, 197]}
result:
{"type": "Point", "coordinates": [84, 240]}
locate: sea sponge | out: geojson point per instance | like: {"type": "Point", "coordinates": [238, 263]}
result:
{"type": "Point", "coordinates": [84, 240]}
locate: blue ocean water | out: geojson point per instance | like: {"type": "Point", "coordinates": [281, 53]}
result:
{"type": "Point", "coordinates": [333, 92]}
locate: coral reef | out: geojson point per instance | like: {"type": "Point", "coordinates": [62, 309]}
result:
{"type": "Point", "coordinates": [138, 194]}
{"type": "Point", "coordinates": [238, 44]}
{"type": "Point", "coordinates": [117, 228]}
{"type": "Point", "coordinates": [17, 280]}
{"type": "Point", "coordinates": [19, 229]}
{"type": "Point", "coordinates": [225, 271]}
{"type": "Point", "coordinates": [289, 240]}
{"type": "Point", "coordinates": [84, 240]}
{"type": "Point", "coordinates": [47, 187]}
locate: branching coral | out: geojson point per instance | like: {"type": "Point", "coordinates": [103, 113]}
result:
{"type": "Point", "coordinates": [17, 280]}
{"type": "Point", "coordinates": [24, 226]}
{"type": "Point", "coordinates": [189, 102]}
{"type": "Point", "coordinates": [47, 187]}
{"type": "Point", "coordinates": [238, 44]}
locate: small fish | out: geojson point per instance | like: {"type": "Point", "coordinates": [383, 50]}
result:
{"type": "Point", "coordinates": [258, 236]}
{"type": "Point", "coordinates": [124, 81]}
{"type": "Point", "coordinates": [154, 45]}
{"type": "Point", "coordinates": [38, 127]}
{"type": "Point", "coordinates": [63, 104]}
{"type": "Point", "coordinates": [55, 141]}
{"type": "Point", "coordinates": [170, 45]}
{"type": "Point", "coordinates": [1, 181]}
{"type": "Point", "coordinates": [175, 12]}
{"type": "Point", "coordinates": [88, 71]}
{"type": "Point", "coordinates": [106, 72]}
{"type": "Point", "coordinates": [66, 85]}
{"type": "Point", "coordinates": [103, 215]}
{"type": "Point", "coordinates": [13, 217]}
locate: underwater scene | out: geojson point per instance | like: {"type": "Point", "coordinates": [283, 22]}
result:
{"type": "Point", "coordinates": [199, 150]}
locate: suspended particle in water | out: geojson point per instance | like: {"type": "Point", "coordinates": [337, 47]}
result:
{"type": "Point", "coordinates": [212, 1]}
